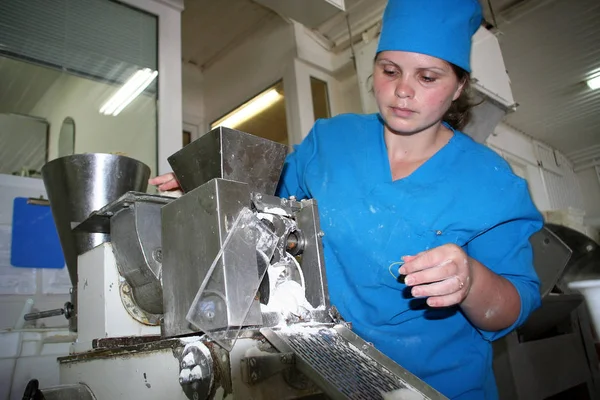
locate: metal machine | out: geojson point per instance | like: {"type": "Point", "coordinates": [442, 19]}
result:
{"type": "Point", "coordinates": [218, 294]}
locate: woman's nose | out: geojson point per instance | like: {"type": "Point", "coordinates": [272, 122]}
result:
{"type": "Point", "coordinates": [404, 89]}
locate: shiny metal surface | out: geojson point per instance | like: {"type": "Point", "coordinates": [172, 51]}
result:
{"type": "Point", "coordinates": [196, 370]}
{"type": "Point", "coordinates": [68, 392]}
{"type": "Point", "coordinates": [194, 227]}
{"type": "Point", "coordinates": [346, 367]}
{"type": "Point", "coordinates": [233, 155]}
{"type": "Point", "coordinates": [133, 224]}
{"type": "Point", "coordinates": [313, 263]}
{"type": "Point", "coordinates": [298, 222]}
{"type": "Point", "coordinates": [585, 260]}
{"type": "Point", "coordinates": [550, 257]}
{"type": "Point", "coordinates": [136, 237]}
{"type": "Point", "coordinates": [79, 184]}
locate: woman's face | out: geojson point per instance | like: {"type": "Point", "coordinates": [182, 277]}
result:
{"type": "Point", "coordinates": [413, 91]}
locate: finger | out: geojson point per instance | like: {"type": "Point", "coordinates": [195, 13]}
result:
{"type": "Point", "coordinates": [435, 273]}
{"type": "Point", "coordinates": [441, 288]}
{"type": "Point", "coordinates": [170, 185]}
{"type": "Point", "coordinates": [427, 259]}
{"type": "Point", "coordinates": [159, 180]}
{"type": "Point", "coordinates": [445, 301]}
{"type": "Point", "coordinates": [409, 258]}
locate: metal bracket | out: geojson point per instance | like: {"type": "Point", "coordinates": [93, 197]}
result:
{"type": "Point", "coordinates": [258, 368]}
{"type": "Point", "coordinates": [337, 319]}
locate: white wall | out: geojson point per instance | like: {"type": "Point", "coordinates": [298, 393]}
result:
{"type": "Point", "coordinates": [133, 132]}
{"type": "Point", "coordinates": [193, 100]}
{"type": "Point", "coordinates": [257, 63]}
{"type": "Point", "coordinates": [348, 96]}
{"type": "Point", "coordinates": [552, 181]}
{"type": "Point", "coordinates": [590, 184]}
{"type": "Point", "coordinates": [277, 50]}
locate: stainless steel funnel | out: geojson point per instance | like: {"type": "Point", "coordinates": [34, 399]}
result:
{"type": "Point", "coordinates": [79, 184]}
{"type": "Point", "coordinates": [233, 155]}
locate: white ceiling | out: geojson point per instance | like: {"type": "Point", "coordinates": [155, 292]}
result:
{"type": "Point", "coordinates": [210, 28]}
{"type": "Point", "coordinates": [549, 48]}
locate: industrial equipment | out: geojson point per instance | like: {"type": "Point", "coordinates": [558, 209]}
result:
{"type": "Point", "coordinates": [220, 293]}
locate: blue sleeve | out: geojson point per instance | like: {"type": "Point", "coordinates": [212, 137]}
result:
{"type": "Point", "coordinates": [506, 250]}
{"type": "Point", "coordinates": [291, 182]}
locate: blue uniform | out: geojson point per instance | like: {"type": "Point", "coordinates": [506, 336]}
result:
{"type": "Point", "coordinates": [465, 194]}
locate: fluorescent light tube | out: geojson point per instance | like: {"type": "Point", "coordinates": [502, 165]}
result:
{"type": "Point", "coordinates": [129, 91]}
{"type": "Point", "coordinates": [249, 110]}
{"type": "Point", "coordinates": [594, 83]}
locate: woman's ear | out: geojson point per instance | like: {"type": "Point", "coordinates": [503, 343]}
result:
{"type": "Point", "coordinates": [459, 90]}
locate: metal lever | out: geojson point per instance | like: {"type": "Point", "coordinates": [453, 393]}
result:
{"type": "Point", "coordinates": [67, 311]}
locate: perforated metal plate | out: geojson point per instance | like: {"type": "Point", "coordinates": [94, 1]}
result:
{"type": "Point", "coordinates": [347, 367]}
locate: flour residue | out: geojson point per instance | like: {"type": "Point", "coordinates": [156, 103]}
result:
{"type": "Point", "coordinates": [402, 394]}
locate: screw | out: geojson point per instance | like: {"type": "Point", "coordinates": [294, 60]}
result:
{"type": "Point", "coordinates": [284, 201]}
{"type": "Point", "coordinates": [258, 197]}
{"type": "Point", "coordinates": [321, 234]}
{"type": "Point", "coordinates": [126, 288]}
{"type": "Point", "coordinates": [196, 396]}
{"type": "Point", "coordinates": [157, 255]}
{"type": "Point", "coordinates": [293, 198]}
{"type": "Point", "coordinates": [252, 362]}
{"type": "Point", "coordinates": [254, 377]}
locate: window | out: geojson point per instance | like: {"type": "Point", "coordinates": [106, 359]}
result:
{"type": "Point", "coordinates": [187, 138]}
{"type": "Point", "coordinates": [320, 98]}
{"type": "Point", "coordinates": [263, 115]}
{"type": "Point", "coordinates": [67, 58]}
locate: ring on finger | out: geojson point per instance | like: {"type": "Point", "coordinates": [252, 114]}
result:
{"type": "Point", "coordinates": [460, 283]}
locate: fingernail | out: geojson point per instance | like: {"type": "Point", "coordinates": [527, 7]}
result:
{"type": "Point", "coordinates": [409, 281]}
{"type": "Point", "coordinates": [415, 292]}
{"type": "Point", "coordinates": [402, 271]}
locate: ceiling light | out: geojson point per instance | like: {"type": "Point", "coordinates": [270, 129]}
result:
{"type": "Point", "coordinates": [129, 91]}
{"type": "Point", "coordinates": [249, 110]}
{"type": "Point", "coordinates": [594, 83]}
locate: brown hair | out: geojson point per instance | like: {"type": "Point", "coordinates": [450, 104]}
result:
{"type": "Point", "coordinates": [459, 113]}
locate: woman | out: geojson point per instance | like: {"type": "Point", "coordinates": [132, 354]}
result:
{"type": "Point", "coordinates": [405, 188]}
{"type": "Point", "coordinates": [405, 185]}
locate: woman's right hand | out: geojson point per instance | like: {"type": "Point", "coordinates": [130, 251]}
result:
{"type": "Point", "coordinates": [165, 182]}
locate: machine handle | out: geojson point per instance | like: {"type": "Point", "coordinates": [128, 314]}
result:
{"type": "Point", "coordinates": [67, 311]}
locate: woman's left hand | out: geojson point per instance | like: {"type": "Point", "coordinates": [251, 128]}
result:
{"type": "Point", "coordinates": [442, 274]}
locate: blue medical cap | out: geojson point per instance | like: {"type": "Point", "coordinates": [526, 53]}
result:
{"type": "Point", "coordinates": [438, 28]}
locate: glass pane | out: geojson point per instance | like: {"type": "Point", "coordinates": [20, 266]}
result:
{"type": "Point", "coordinates": [320, 98]}
{"type": "Point", "coordinates": [66, 139]}
{"type": "Point", "coordinates": [263, 115]}
{"type": "Point", "coordinates": [63, 61]}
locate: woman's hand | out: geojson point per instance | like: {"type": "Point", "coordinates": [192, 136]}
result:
{"type": "Point", "coordinates": [443, 274]}
{"type": "Point", "coordinates": [165, 182]}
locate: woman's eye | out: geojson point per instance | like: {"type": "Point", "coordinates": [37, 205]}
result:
{"type": "Point", "coordinates": [389, 71]}
{"type": "Point", "coordinates": [428, 79]}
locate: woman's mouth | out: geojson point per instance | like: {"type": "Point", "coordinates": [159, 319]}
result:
{"type": "Point", "coordinates": [402, 112]}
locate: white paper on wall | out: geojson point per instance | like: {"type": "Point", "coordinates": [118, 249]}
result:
{"type": "Point", "coordinates": [13, 280]}
{"type": "Point", "coordinates": [55, 281]}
